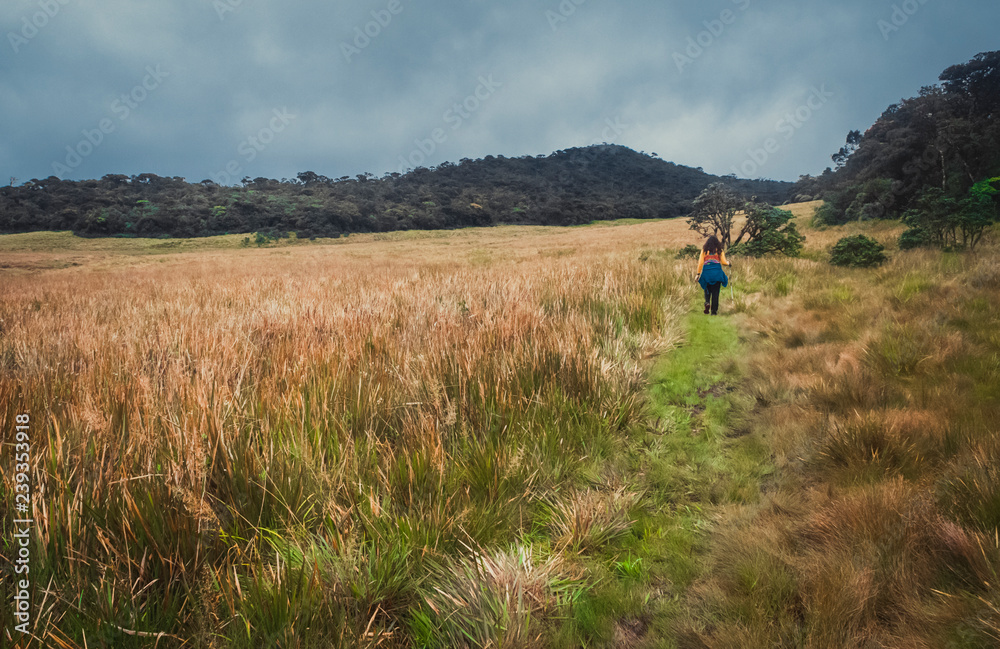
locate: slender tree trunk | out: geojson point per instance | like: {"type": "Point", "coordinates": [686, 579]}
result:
{"type": "Point", "coordinates": [944, 176]}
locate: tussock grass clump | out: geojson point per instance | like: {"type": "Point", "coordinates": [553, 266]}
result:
{"type": "Point", "coordinates": [869, 447]}
{"type": "Point", "coordinates": [877, 556]}
{"type": "Point", "coordinates": [498, 599]}
{"type": "Point", "coordinates": [760, 585]}
{"type": "Point", "coordinates": [588, 519]}
{"type": "Point", "coordinates": [970, 490]}
{"type": "Point", "coordinates": [857, 388]}
{"type": "Point", "coordinates": [897, 352]}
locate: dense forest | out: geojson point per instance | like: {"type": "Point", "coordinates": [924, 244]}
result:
{"type": "Point", "coordinates": [565, 188]}
{"type": "Point", "coordinates": [933, 160]}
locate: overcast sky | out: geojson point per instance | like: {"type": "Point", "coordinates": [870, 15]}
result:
{"type": "Point", "coordinates": [223, 89]}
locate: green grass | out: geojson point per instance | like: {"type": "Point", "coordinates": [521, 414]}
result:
{"type": "Point", "coordinates": [687, 465]}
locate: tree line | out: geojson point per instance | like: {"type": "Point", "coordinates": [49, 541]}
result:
{"type": "Point", "coordinates": [568, 187]}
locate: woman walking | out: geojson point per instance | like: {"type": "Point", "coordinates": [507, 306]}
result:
{"type": "Point", "coordinates": [710, 274]}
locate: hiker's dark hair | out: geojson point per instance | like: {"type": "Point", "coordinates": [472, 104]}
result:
{"type": "Point", "coordinates": [712, 246]}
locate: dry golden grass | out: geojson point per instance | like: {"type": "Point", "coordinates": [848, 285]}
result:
{"type": "Point", "coordinates": [590, 518]}
{"type": "Point", "coordinates": [56, 250]}
{"type": "Point", "coordinates": [216, 424]}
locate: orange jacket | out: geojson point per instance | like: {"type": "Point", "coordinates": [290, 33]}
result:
{"type": "Point", "coordinates": [719, 259]}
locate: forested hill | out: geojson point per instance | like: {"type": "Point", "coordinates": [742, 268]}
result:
{"type": "Point", "coordinates": [565, 188]}
{"type": "Point", "coordinates": [925, 153]}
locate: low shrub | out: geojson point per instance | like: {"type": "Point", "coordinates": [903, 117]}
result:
{"type": "Point", "coordinates": [688, 251]}
{"type": "Point", "coordinates": [858, 251]}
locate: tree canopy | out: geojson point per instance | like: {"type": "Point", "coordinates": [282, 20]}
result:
{"type": "Point", "coordinates": [768, 231]}
{"type": "Point", "coordinates": [715, 209]}
{"type": "Point", "coordinates": [765, 230]}
{"type": "Point", "coordinates": [946, 137]}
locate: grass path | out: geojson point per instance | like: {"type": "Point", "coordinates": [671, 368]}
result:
{"type": "Point", "coordinates": [694, 461]}
{"type": "Point", "coordinates": [708, 460]}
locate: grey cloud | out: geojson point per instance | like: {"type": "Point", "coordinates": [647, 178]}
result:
{"type": "Point", "coordinates": [596, 70]}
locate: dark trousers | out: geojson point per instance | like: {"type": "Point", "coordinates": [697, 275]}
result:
{"type": "Point", "coordinates": [712, 296]}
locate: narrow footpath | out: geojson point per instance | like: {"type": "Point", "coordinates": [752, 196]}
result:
{"type": "Point", "coordinates": [696, 463]}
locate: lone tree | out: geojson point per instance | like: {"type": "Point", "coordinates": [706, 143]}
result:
{"type": "Point", "coordinates": [768, 230]}
{"type": "Point", "coordinates": [714, 211]}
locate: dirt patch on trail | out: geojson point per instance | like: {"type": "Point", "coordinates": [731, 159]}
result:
{"type": "Point", "coordinates": [630, 632]}
{"type": "Point", "coordinates": [717, 390]}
